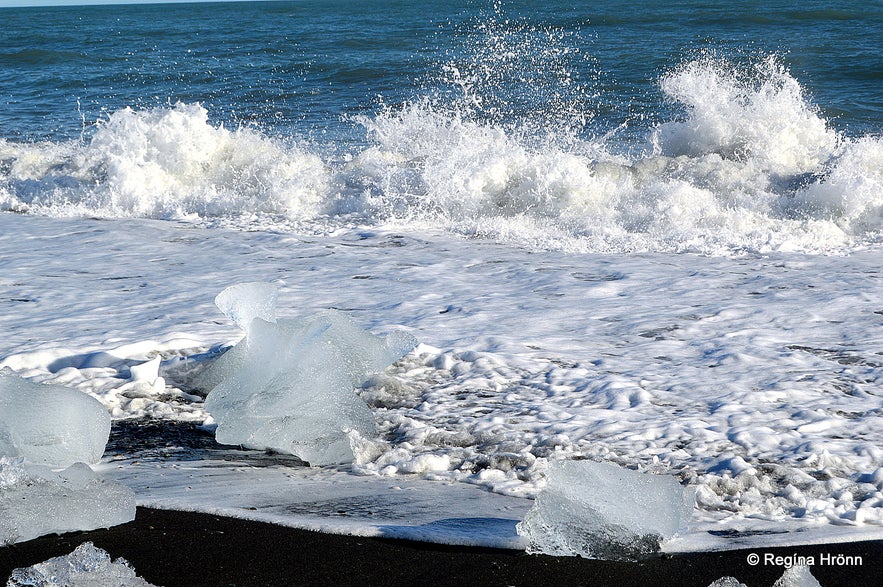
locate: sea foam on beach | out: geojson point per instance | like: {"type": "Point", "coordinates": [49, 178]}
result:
{"type": "Point", "coordinates": [755, 383]}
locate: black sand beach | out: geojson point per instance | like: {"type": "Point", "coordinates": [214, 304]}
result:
{"type": "Point", "coordinates": [188, 549]}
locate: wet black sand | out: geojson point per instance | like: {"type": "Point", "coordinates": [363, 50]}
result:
{"type": "Point", "coordinates": [188, 549]}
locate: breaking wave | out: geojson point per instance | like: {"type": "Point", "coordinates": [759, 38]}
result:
{"type": "Point", "coordinates": [749, 165]}
{"type": "Point", "coordinates": [162, 163]}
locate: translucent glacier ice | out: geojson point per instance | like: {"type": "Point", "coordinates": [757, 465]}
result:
{"type": "Point", "coordinates": [289, 384]}
{"type": "Point", "coordinates": [35, 500]}
{"type": "Point", "coordinates": [244, 302]}
{"type": "Point", "coordinates": [87, 566]}
{"type": "Point", "coordinates": [50, 424]}
{"type": "Point", "coordinates": [600, 510]}
{"type": "Point", "coordinates": [728, 582]}
{"type": "Point", "coordinates": [797, 576]}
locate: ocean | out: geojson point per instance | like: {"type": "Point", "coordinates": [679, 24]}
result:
{"type": "Point", "coordinates": [640, 233]}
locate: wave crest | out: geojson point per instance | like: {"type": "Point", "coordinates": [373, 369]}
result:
{"type": "Point", "coordinates": [760, 115]}
{"type": "Point", "coordinates": [751, 166]}
{"type": "Point", "coordinates": [161, 163]}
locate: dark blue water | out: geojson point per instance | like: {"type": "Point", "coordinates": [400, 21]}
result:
{"type": "Point", "coordinates": [304, 67]}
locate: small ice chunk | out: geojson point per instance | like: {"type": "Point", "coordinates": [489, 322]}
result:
{"type": "Point", "coordinates": [244, 302]}
{"type": "Point", "coordinates": [602, 511]}
{"type": "Point", "coordinates": [145, 379]}
{"type": "Point", "coordinates": [797, 576]}
{"type": "Point", "coordinates": [50, 424]}
{"type": "Point", "coordinates": [34, 501]}
{"type": "Point", "coordinates": [85, 566]}
{"type": "Point", "coordinates": [289, 384]}
{"type": "Point", "coordinates": [728, 582]}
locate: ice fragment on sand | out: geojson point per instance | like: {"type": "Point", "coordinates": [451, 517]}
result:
{"type": "Point", "coordinates": [728, 582]}
{"type": "Point", "coordinates": [289, 384]}
{"type": "Point", "coordinates": [35, 501]}
{"type": "Point", "coordinates": [87, 566]}
{"type": "Point", "coordinates": [50, 424]}
{"type": "Point", "coordinates": [599, 510]}
{"type": "Point", "coordinates": [797, 576]}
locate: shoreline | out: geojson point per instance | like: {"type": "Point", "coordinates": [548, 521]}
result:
{"type": "Point", "coordinates": [172, 548]}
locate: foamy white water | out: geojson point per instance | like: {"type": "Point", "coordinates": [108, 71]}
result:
{"type": "Point", "coordinates": [751, 166]}
{"type": "Point", "coordinates": [753, 378]}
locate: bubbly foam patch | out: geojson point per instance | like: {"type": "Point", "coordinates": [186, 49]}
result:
{"type": "Point", "coordinates": [851, 194]}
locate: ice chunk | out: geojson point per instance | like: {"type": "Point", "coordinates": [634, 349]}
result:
{"type": "Point", "coordinates": [222, 368]}
{"type": "Point", "coordinates": [362, 352]}
{"type": "Point", "coordinates": [35, 501]}
{"type": "Point", "coordinates": [87, 566]}
{"type": "Point", "coordinates": [50, 424]}
{"type": "Point", "coordinates": [797, 576]}
{"type": "Point", "coordinates": [244, 302]}
{"type": "Point", "coordinates": [728, 582]}
{"type": "Point", "coordinates": [289, 385]}
{"type": "Point", "coordinates": [599, 510]}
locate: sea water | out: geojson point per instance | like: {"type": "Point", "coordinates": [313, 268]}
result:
{"type": "Point", "coordinates": [639, 233]}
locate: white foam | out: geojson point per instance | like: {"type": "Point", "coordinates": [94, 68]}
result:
{"type": "Point", "coordinates": [851, 193]}
{"type": "Point", "coordinates": [165, 163]}
{"type": "Point", "coordinates": [760, 116]}
{"type": "Point", "coordinates": [750, 167]}
{"type": "Point", "coordinates": [768, 361]}
{"type": "Point", "coordinates": [750, 164]}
